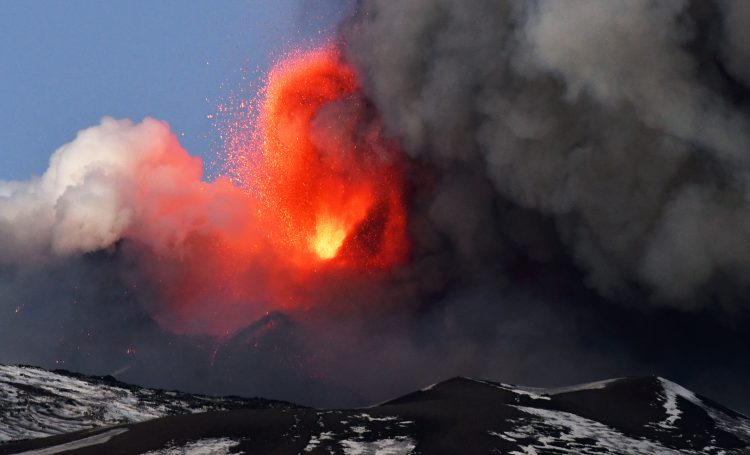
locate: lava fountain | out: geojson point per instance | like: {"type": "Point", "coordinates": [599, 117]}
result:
{"type": "Point", "coordinates": [317, 189]}
{"type": "Point", "coordinates": [328, 183]}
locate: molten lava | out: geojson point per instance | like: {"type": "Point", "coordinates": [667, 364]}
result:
{"type": "Point", "coordinates": [330, 186]}
{"type": "Point", "coordinates": [316, 191]}
{"type": "Point", "coordinates": [329, 236]}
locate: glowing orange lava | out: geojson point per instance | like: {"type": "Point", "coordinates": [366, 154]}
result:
{"type": "Point", "coordinates": [316, 192]}
{"type": "Point", "coordinates": [330, 186]}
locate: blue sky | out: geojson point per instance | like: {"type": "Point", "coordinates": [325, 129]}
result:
{"type": "Point", "coordinates": [64, 65]}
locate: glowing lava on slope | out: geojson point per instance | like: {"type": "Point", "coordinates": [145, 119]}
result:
{"type": "Point", "coordinates": [317, 190]}
{"type": "Point", "coordinates": [329, 185]}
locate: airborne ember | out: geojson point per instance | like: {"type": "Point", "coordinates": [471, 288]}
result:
{"type": "Point", "coordinates": [328, 190]}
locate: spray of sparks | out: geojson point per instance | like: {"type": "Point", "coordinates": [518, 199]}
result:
{"type": "Point", "coordinates": [329, 186]}
{"type": "Point", "coordinates": [314, 190]}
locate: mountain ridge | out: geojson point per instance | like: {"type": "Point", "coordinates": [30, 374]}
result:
{"type": "Point", "coordinates": [647, 415]}
{"type": "Point", "coordinates": [35, 402]}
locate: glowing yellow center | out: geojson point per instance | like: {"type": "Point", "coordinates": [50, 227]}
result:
{"type": "Point", "coordinates": [329, 236]}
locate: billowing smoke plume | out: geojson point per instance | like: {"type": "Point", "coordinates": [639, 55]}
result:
{"type": "Point", "coordinates": [124, 181]}
{"type": "Point", "coordinates": [542, 191]}
{"type": "Point", "coordinates": [105, 185]}
{"type": "Point", "coordinates": [625, 122]}
{"type": "Point", "coordinates": [80, 203]}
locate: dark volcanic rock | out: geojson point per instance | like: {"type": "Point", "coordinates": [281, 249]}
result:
{"type": "Point", "coordinates": [622, 416]}
{"type": "Point", "coordinates": [35, 402]}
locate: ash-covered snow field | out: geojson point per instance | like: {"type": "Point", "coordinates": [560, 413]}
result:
{"type": "Point", "coordinates": [35, 403]}
{"type": "Point", "coordinates": [648, 415]}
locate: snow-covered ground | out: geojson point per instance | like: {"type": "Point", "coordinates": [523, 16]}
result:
{"type": "Point", "coordinates": [94, 440]}
{"type": "Point", "coordinates": [649, 415]}
{"type": "Point", "coordinates": [553, 431]}
{"type": "Point", "coordinates": [36, 403]}
{"type": "Point", "coordinates": [401, 445]}
{"type": "Point", "coordinates": [546, 431]}
{"type": "Point", "coordinates": [359, 437]}
{"type": "Point", "coordinates": [670, 393]}
{"type": "Point", "coordinates": [213, 446]}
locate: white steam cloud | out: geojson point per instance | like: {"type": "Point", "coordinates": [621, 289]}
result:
{"type": "Point", "coordinates": [115, 180]}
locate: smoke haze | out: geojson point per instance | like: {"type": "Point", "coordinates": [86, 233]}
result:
{"type": "Point", "coordinates": [617, 120]}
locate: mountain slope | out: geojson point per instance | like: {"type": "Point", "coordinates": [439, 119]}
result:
{"type": "Point", "coordinates": [36, 403]}
{"type": "Point", "coordinates": [631, 415]}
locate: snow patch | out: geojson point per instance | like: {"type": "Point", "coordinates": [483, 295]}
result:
{"type": "Point", "coordinates": [505, 435]}
{"type": "Point", "coordinates": [534, 394]}
{"type": "Point", "coordinates": [359, 430]}
{"type": "Point", "coordinates": [548, 431]}
{"type": "Point", "coordinates": [213, 446]}
{"type": "Point", "coordinates": [100, 438]}
{"type": "Point", "coordinates": [316, 440]}
{"type": "Point", "coordinates": [737, 426]}
{"type": "Point", "coordinates": [671, 391]}
{"type": "Point", "coordinates": [400, 445]}
{"type": "Point", "coordinates": [596, 385]}
{"type": "Point", "coordinates": [370, 418]}
{"type": "Point", "coordinates": [429, 387]}
{"type": "Point", "coordinates": [36, 403]}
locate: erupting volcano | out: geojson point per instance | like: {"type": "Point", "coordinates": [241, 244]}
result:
{"type": "Point", "coordinates": [542, 192]}
{"type": "Point", "coordinates": [317, 189]}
